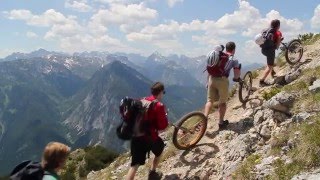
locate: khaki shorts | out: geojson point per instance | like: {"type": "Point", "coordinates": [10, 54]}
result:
{"type": "Point", "coordinates": [218, 89]}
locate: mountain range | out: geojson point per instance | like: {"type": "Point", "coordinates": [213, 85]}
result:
{"type": "Point", "coordinates": [52, 96]}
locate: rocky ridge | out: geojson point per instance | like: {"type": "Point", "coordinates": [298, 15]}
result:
{"type": "Point", "coordinates": [250, 148]}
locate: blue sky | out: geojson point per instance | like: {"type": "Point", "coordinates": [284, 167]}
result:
{"type": "Point", "coordinates": [187, 27]}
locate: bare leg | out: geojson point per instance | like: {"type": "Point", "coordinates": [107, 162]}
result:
{"type": "Point", "coordinates": [267, 72]}
{"type": "Point", "coordinates": [155, 163]}
{"type": "Point", "coordinates": [207, 108]}
{"type": "Point", "coordinates": [132, 172]}
{"type": "Point", "coordinates": [222, 111]}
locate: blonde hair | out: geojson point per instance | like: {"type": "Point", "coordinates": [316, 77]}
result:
{"type": "Point", "coordinates": [54, 153]}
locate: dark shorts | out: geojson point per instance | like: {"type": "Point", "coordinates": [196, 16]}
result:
{"type": "Point", "coordinates": [270, 54]}
{"type": "Point", "coordinates": [140, 148]}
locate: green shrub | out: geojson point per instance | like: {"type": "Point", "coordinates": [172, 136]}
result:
{"type": "Point", "coordinates": [98, 157]}
{"type": "Point", "coordinates": [244, 171]}
{"type": "Point", "coordinates": [270, 93]}
{"type": "Point", "coordinates": [67, 176]}
{"type": "Point", "coordinates": [83, 172]}
{"type": "Point", "coordinates": [69, 172]}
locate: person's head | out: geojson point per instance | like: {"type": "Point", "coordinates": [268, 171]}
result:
{"type": "Point", "coordinates": [157, 90]}
{"type": "Point", "coordinates": [275, 24]}
{"type": "Point", "coordinates": [231, 47]}
{"type": "Point", "coordinates": [54, 155]}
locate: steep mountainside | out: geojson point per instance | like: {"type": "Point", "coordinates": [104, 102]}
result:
{"type": "Point", "coordinates": [94, 114]}
{"type": "Point", "coordinates": [275, 135]}
{"type": "Point", "coordinates": [168, 71]}
{"type": "Point", "coordinates": [29, 116]}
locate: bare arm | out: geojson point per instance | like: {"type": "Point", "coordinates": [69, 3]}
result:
{"type": "Point", "coordinates": [236, 72]}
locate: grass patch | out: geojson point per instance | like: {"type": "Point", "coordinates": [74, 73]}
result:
{"type": "Point", "coordinates": [298, 86]}
{"type": "Point", "coordinates": [286, 171]}
{"type": "Point", "coordinates": [305, 154]}
{"type": "Point", "coordinates": [244, 172]}
{"type": "Point", "coordinates": [268, 94]}
{"type": "Point", "coordinates": [308, 148]}
{"type": "Point", "coordinates": [314, 72]}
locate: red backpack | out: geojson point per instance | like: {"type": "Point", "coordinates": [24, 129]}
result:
{"type": "Point", "coordinates": [216, 63]}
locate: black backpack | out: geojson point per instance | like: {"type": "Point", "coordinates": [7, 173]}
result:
{"type": "Point", "coordinates": [27, 170]}
{"type": "Point", "coordinates": [133, 117]}
{"type": "Point", "coordinates": [268, 34]}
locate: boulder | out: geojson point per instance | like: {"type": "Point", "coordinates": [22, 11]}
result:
{"type": "Point", "coordinates": [315, 87]}
{"type": "Point", "coordinates": [280, 102]}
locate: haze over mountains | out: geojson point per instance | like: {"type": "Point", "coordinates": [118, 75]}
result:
{"type": "Point", "coordinates": [48, 96]}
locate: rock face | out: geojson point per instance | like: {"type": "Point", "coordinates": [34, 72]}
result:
{"type": "Point", "coordinates": [280, 102]}
{"type": "Point", "coordinates": [292, 76]}
{"type": "Point", "coordinates": [315, 175]}
{"type": "Point", "coordinates": [235, 152]}
{"type": "Point", "coordinates": [301, 117]}
{"type": "Point", "coordinates": [315, 87]}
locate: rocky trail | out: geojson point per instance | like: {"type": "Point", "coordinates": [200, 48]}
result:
{"type": "Point", "coordinates": [252, 129]}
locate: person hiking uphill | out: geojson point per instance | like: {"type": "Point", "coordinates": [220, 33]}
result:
{"type": "Point", "coordinates": [143, 143]}
{"type": "Point", "coordinates": [268, 49]}
{"type": "Point", "coordinates": [218, 67]}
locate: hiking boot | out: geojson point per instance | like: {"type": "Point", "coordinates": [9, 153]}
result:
{"type": "Point", "coordinates": [273, 74]}
{"type": "Point", "coordinates": [224, 124]}
{"type": "Point", "coordinates": [262, 83]}
{"type": "Point", "coordinates": [153, 175]}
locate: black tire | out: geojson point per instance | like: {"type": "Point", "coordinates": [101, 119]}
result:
{"type": "Point", "coordinates": [294, 48]}
{"type": "Point", "coordinates": [245, 87]}
{"type": "Point", "coordinates": [182, 123]}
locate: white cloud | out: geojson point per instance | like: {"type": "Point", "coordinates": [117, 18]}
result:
{"type": "Point", "coordinates": [129, 17]}
{"type": "Point", "coordinates": [123, 14]}
{"type": "Point", "coordinates": [315, 20]}
{"type": "Point", "coordinates": [48, 18]}
{"type": "Point", "coordinates": [31, 34]}
{"type": "Point", "coordinates": [71, 35]}
{"type": "Point", "coordinates": [18, 14]}
{"type": "Point", "coordinates": [171, 3]}
{"type": "Point", "coordinates": [78, 5]}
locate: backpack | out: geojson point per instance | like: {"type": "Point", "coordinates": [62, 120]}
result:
{"type": "Point", "coordinates": [216, 62]}
{"type": "Point", "coordinates": [265, 38]}
{"type": "Point", "coordinates": [134, 118]}
{"type": "Point", "coordinates": [27, 170]}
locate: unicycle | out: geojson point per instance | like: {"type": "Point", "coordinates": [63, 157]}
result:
{"type": "Point", "coordinates": [293, 51]}
{"type": "Point", "coordinates": [189, 130]}
{"type": "Point", "coordinates": [245, 87]}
